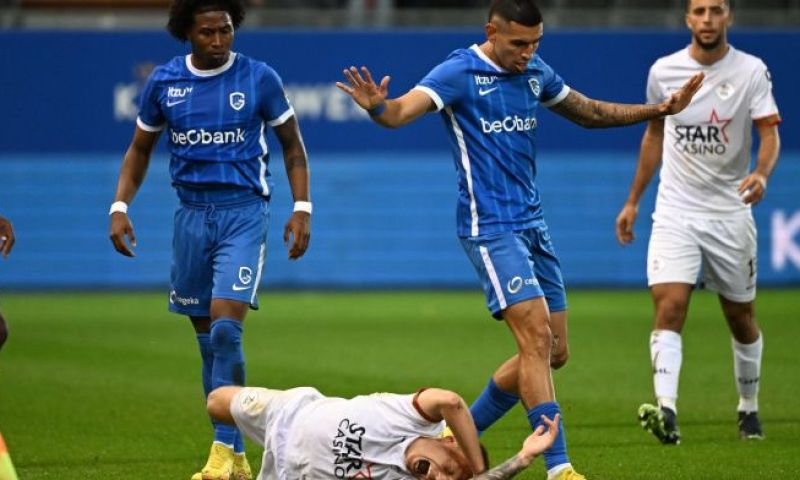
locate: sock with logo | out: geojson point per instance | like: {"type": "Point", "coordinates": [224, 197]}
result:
{"type": "Point", "coordinates": [747, 369]}
{"type": "Point", "coordinates": [228, 369]}
{"type": "Point", "coordinates": [555, 457]}
{"type": "Point", "coordinates": [491, 405]}
{"type": "Point", "coordinates": [666, 356]}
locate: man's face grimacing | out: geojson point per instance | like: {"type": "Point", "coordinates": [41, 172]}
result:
{"type": "Point", "coordinates": [211, 36]}
{"type": "Point", "coordinates": [514, 44]}
{"type": "Point", "coordinates": [708, 21]}
{"type": "Point", "coordinates": [443, 459]}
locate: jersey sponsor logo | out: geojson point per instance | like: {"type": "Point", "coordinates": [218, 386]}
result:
{"type": "Point", "coordinates": [515, 284]}
{"type": "Point", "coordinates": [176, 299]}
{"type": "Point", "coordinates": [509, 124]}
{"type": "Point", "coordinates": [175, 92]}
{"type": "Point", "coordinates": [348, 450]}
{"type": "Point", "coordinates": [535, 87]}
{"type": "Point", "coordinates": [236, 100]}
{"type": "Point", "coordinates": [708, 138]}
{"type": "Point", "coordinates": [204, 137]}
{"type": "Point", "coordinates": [486, 91]}
{"type": "Point", "coordinates": [484, 80]}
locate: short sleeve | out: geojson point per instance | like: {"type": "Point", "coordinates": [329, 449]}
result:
{"type": "Point", "coordinates": [445, 84]}
{"type": "Point", "coordinates": [762, 103]}
{"type": "Point", "coordinates": [654, 92]}
{"type": "Point", "coordinates": [275, 106]}
{"type": "Point", "coordinates": [151, 118]}
{"type": "Point", "coordinates": [554, 89]}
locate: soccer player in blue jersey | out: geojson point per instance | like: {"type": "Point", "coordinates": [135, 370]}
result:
{"type": "Point", "coordinates": [214, 105]}
{"type": "Point", "coordinates": [488, 95]}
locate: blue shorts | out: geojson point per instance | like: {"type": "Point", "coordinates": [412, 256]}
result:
{"type": "Point", "coordinates": [517, 266]}
{"type": "Point", "coordinates": [218, 251]}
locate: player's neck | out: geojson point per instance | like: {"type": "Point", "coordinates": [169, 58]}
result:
{"type": "Point", "coordinates": [488, 49]}
{"type": "Point", "coordinates": [708, 57]}
{"type": "Point", "coordinates": [201, 63]}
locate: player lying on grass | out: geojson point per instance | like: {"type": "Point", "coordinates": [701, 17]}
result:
{"type": "Point", "coordinates": [383, 435]}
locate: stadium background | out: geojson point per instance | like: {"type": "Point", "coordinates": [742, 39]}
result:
{"type": "Point", "coordinates": [384, 220]}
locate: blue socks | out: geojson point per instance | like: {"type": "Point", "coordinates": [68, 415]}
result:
{"type": "Point", "coordinates": [557, 454]}
{"type": "Point", "coordinates": [491, 405]}
{"type": "Point", "coordinates": [223, 364]}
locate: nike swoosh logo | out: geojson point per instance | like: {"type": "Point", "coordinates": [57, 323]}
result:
{"type": "Point", "coordinates": [483, 92]}
{"type": "Point", "coordinates": [172, 104]}
{"type": "Point", "coordinates": [239, 288]}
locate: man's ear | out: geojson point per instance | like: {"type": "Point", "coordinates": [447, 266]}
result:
{"type": "Point", "coordinates": [491, 31]}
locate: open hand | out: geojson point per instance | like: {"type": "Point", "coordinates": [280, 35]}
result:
{"type": "Point", "coordinates": [7, 238]}
{"type": "Point", "coordinates": [122, 227]}
{"type": "Point", "coordinates": [363, 89]}
{"type": "Point", "coordinates": [297, 233]}
{"type": "Point", "coordinates": [624, 223]}
{"type": "Point", "coordinates": [680, 99]}
{"type": "Point", "coordinates": [541, 439]}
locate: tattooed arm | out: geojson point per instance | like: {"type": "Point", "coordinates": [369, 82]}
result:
{"type": "Point", "coordinates": [539, 441]}
{"type": "Point", "coordinates": [591, 113]}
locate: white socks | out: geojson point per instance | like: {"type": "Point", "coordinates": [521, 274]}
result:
{"type": "Point", "coordinates": [747, 370]}
{"type": "Point", "coordinates": [666, 356]}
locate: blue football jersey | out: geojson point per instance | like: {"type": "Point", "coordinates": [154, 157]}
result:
{"type": "Point", "coordinates": [215, 121]}
{"type": "Point", "coordinates": [490, 115]}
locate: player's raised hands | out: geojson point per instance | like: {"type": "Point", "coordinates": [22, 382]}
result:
{"type": "Point", "coordinates": [541, 439]}
{"type": "Point", "coordinates": [681, 99]}
{"type": "Point", "coordinates": [7, 238]}
{"type": "Point", "coordinates": [624, 225]}
{"type": "Point", "coordinates": [363, 89]}
{"type": "Point", "coordinates": [121, 227]}
{"type": "Point", "coordinates": [753, 188]}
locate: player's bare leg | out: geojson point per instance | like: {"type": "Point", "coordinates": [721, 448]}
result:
{"type": "Point", "coordinates": [219, 403]}
{"type": "Point", "coordinates": [560, 351]}
{"type": "Point", "coordinates": [747, 347]}
{"type": "Point", "coordinates": [671, 304]}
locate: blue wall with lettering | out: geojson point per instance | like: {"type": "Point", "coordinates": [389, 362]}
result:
{"type": "Point", "coordinates": [384, 200]}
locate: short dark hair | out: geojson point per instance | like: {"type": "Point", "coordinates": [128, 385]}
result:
{"type": "Point", "coordinates": [728, 2]}
{"type": "Point", "coordinates": [182, 12]}
{"type": "Point", "coordinates": [524, 12]}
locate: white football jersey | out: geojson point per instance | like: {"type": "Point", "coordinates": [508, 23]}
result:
{"type": "Point", "coordinates": [707, 146]}
{"type": "Point", "coordinates": [364, 437]}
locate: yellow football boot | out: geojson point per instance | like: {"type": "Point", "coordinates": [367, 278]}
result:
{"type": "Point", "coordinates": [568, 473]}
{"type": "Point", "coordinates": [241, 469]}
{"type": "Point", "coordinates": [219, 465]}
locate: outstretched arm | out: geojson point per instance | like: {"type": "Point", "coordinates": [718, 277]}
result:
{"type": "Point", "coordinates": [295, 158]}
{"type": "Point", "coordinates": [591, 113]}
{"type": "Point", "coordinates": [649, 160]}
{"type": "Point", "coordinates": [539, 441]}
{"type": "Point", "coordinates": [131, 176]}
{"type": "Point", "coordinates": [754, 186]}
{"type": "Point", "coordinates": [437, 405]}
{"type": "Point", "coordinates": [372, 98]}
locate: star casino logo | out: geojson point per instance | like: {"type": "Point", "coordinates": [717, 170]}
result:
{"type": "Point", "coordinates": [709, 138]}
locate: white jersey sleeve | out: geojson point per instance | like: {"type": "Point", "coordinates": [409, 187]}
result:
{"type": "Point", "coordinates": [763, 103]}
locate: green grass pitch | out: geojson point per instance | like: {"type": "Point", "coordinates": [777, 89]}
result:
{"type": "Point", "coordinates": [107, 386]}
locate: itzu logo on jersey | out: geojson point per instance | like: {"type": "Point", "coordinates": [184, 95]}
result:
{"type": "Point", "coordinates": [204, 137]}
{"type": "Point", "coordinates": [509, 124]}
{"type": "Point", "coordinates": [174, 92]}
{"type": "Point", "coordinates": [709, 138]}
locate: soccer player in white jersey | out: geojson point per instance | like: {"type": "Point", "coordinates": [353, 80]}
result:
{"type": "Point", "coordinates": [488, 96]}
{"type": "Point", "coordinates": [384, 436]}
{"type": "Point", "coordinates": [215, 106]}
{"type": "Point", "coordinates": [703, 209]}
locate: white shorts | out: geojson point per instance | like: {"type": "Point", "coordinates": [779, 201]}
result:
{"type": "Point", "coordinates": [725, 248]}
{"type": "Point", "coordinates": [265, 416]}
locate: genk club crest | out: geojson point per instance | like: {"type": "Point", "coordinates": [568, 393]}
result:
{"type": "Point", "coordinates": [534, 84]}
{"type": "Point", "coordinates": [237, 100]}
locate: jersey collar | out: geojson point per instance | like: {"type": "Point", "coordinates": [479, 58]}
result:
{"type": "Point", "coordinates": [475, 48]}
{"type": "Point", "coordinates": [210, 73]}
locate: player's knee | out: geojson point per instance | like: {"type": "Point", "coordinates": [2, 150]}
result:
{"type": "Point", "coordinates": [559, 358]}
{"type": "Point", "coordinates": [225, 334]}
{"type": "Point", "coordinates": [218, 403]}
{"type": "Point", "coordinates": [670, 315]}
{"type": "Point", "coordinates": [536, 340]}
{"type": "Point", "coordinates": [3, 331]}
